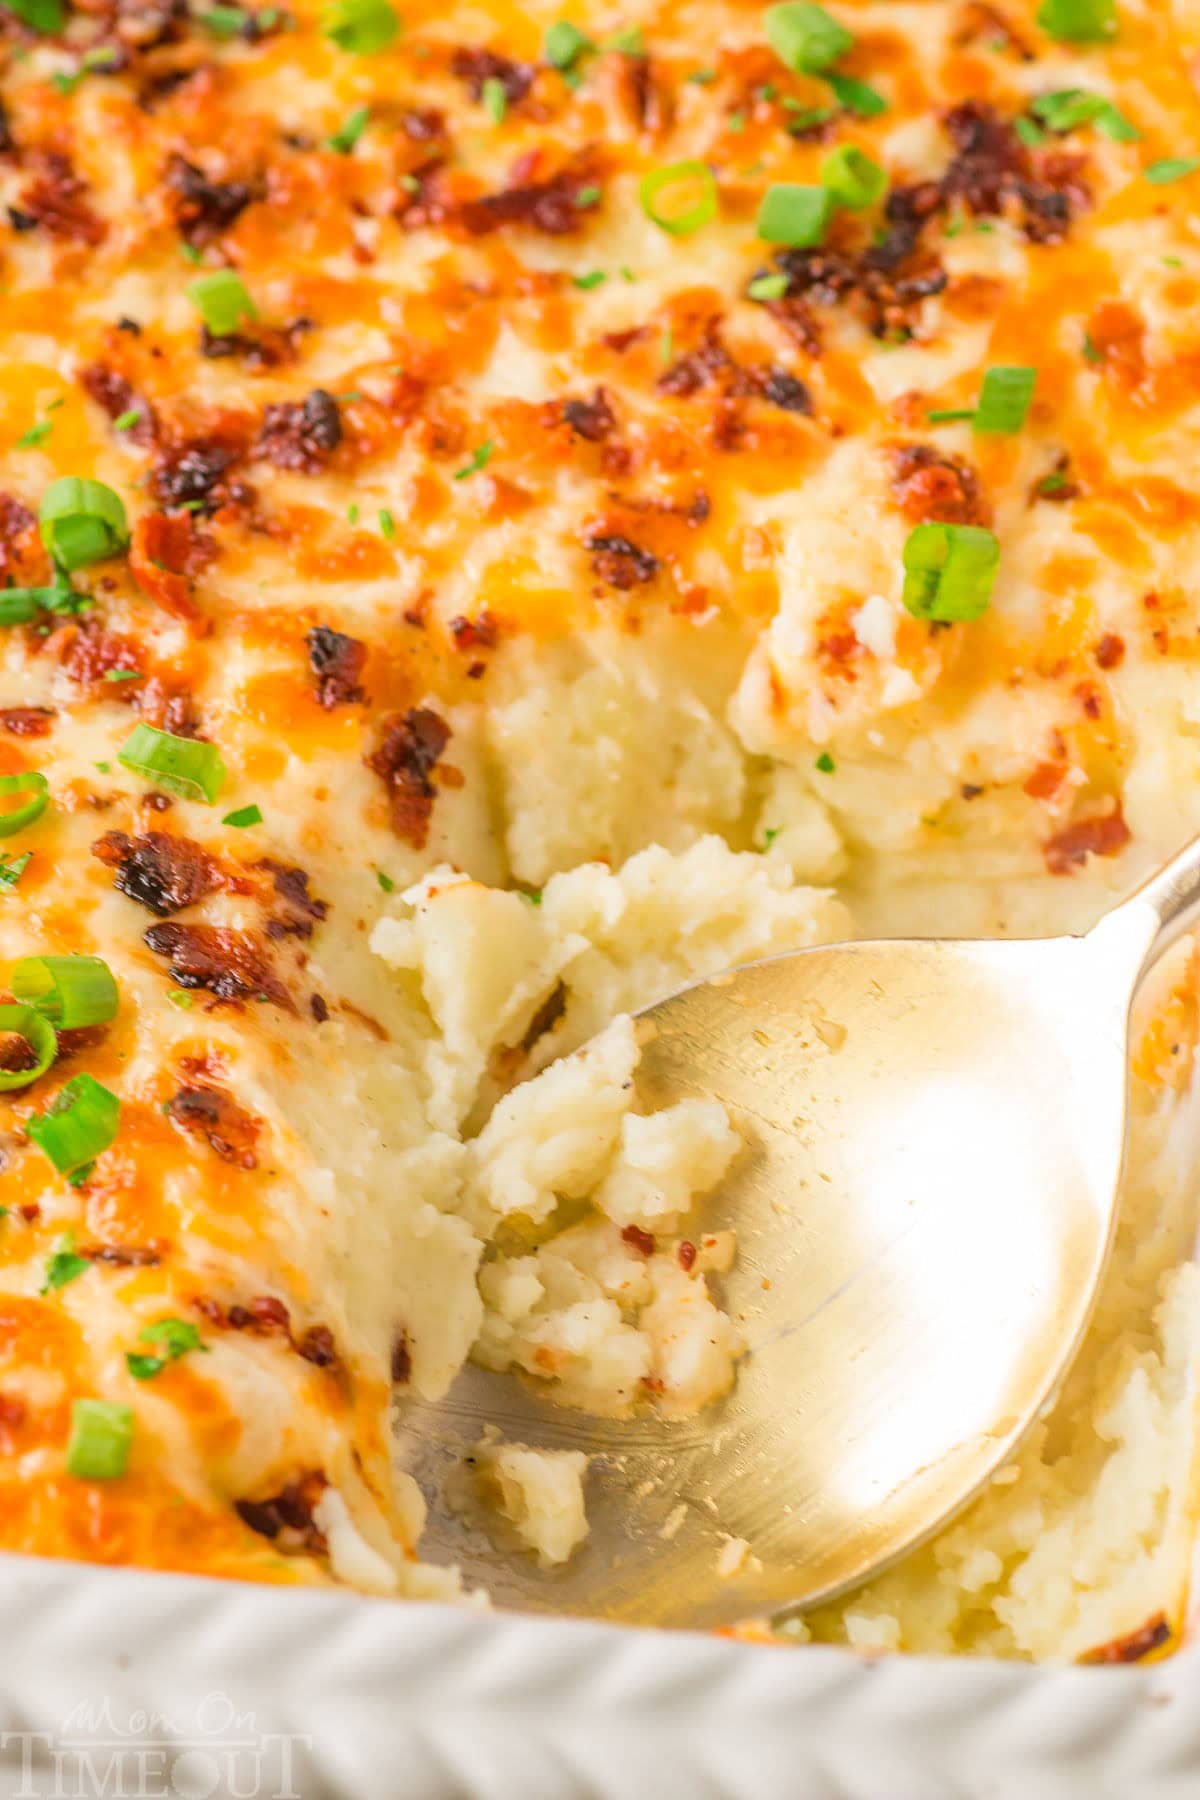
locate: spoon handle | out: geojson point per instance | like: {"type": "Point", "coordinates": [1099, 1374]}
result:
{"type": "Point", "coordinates": [1167, 905]}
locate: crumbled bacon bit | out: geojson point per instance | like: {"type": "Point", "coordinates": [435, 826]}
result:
{"type": "Point", "coordinates": [87, 652]}
{"type": "Point", "coordinates": [637, 1239]}
{"type": "Point", "coordinates": [552, 207]}
{"type": "Point", "coordinates": [265, 1314]}
{"type": "Point", "coordinates": [1069, 849]}
{"type": "Point", "coordinates": [171, 709]}
{"type": "Point", "coordinates": [1110, 651]}
{"type": "Point", "coordinates": [1135, 1645]}
{"type": "Point", "coordinates": [477, 66]}
{"type": "Point", "coordinates": [160, 871]}
{"type": "Point", "coordinates": [992, 167]}
{"type": "Point", "coordinates": [592, 419]}
{"type": "Point", "coordinates": [620, 562]}
{"type": "Point", "coordinates": [54, 199]}
{"type": "Point", "coordinates": [229, 963]}
{"type": "Point", "coordinates": [337, 662]}
{"type": "Point", "coordinates": [301, 434]}
{"type": "Point", "coordinates": [115, 396]}
{"type": "Point", "coordinates": [204, 209]}
{"type": "Point", "coordinates": [287, 1517]}
{"type": "Point", "coordinates": [928, 485]}
{"type": "Point", "coordinates": [317, 1346]}
{"type": "Point", "coordinates": [187, 477]}
{"type": "Point", "coordinates": [412, 745]}
{"type": "Point", "coordinates": [20, 548]}
{"type": "Point", "coordinates": [27, 721]}
{"type": "Point", "coordinates": [686, 1254]}
{"type": "Point", "coordinates": [215, 1116]}
{"type": "Point", "coordinates": [478, 633]}
{"type": "Point", "coordinates": [785, 391]}
{"type": "Point", "coordinates": [167, 552]}
{"type": "Point", "coordinates": [643, 97]}
{"type": "Point", "coordinates": [302, 909]}
{"type": "Point", "coordinates": [127, 1256]}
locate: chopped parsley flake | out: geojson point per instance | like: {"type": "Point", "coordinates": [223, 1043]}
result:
{"type": "Point", "coordinates": [245, 815]}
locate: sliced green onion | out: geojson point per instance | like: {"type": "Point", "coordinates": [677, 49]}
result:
{"type": "Point", "coordinates": [361, 26]}
{"type": "Point", "coordinates": [593, 279]}
{"type": "Point", "coordinates": [805, 118]}
{"type": "Point", "coordinates": [127, 420]}
{"type": "Point", "coordinates": [685, 178]}
{"type": "Point", "coordinates": [1172, 168]}
{"type": "Point", "coordinates": [565, 44]}
{"type": "Point", "coordinates": [794, 215]}
{"type": "Point", "coordinates": [28, 782]}
{"type": "Point", "coordinates": [23, 1022]}
{"type": "Point", "coordinates": [225, 21]}
{"type": "Point", "coordinates": [1068, 108]}
{"type": "Point", "coordinates": [46, 16]}
{"type": "Point", "coordinates": [69, 991]}
{"type": "Point", "coordinates": [588, 196]}
{"type": "Point", "coordinates": [177, 1337]}
{"type": "Point", "coordinates": [494, 97]}
{"type": "Point", "coordinates": [37, 434]}
{"type": "Point", "coordinates": [825, 763]}
{"type": "Point", "coordinates": [858, 97]}
{"type": "Point", "coordinates": [853, 178]}
{"type": "Point", "coordinates": [63, 1265]}
{"type": "Point", "coordinates": [1029, 133]}
{"type": "Point", "coordinates": [629, 39]}
{"type": "Point", "coordinates": [385, 882]}
{"type": "Point", "coordinates": [82, 522]}
{"type": "Point", "coordinates": [221, 300]}
{"type": "Point", "coordinates": [101, 1437]}
{"type": "Point", "coordinates": [13, 867]}
{"type": "Point", "coordinates": [804, 37]}
{"type": "Point", "coordinates": [19, 606]}
{"type": "Point", "coordinates": [347, 135]}
{"type": "Point", "coordinates": [245, 815]}
{"type": "Point", "coordinates": [1004, 400]}
{"type": "Point", "coordinates": [950, 415]}
{"type": "Point", "coordinates": [178, 764]}
{"type": "Point", "coordinates": [767, 287]}
{"type": "Point", "coordinates": [949, 571]}
{"type": "Point", "coordinates": [80, 1122]}
{"type": "Point", "coordinates": [1079, 21]}
{"type": "Point", "coordinates": [480, 459]}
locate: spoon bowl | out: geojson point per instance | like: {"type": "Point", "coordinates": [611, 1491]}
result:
{"type": "Point", "coordinates": [934, 1135]}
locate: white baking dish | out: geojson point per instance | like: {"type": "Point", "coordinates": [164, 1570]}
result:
{"type": "Point", "coordinates": [122, 1683]}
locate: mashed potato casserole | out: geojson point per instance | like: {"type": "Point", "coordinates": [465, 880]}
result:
{"type": "Point", "coordinates": [505, 511]}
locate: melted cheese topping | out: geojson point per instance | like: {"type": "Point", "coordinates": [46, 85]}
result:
{"type": "Point", "coordinates": [614, 550]}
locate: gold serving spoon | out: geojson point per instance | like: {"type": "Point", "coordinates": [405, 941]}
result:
{"type": "Point", "coordinates": [934, 1135]}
